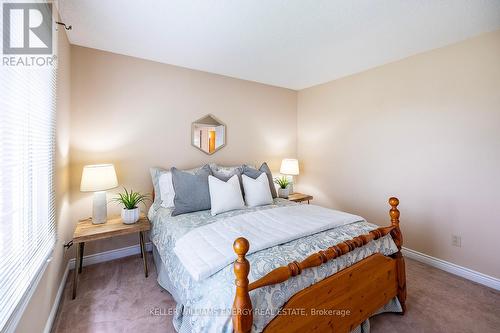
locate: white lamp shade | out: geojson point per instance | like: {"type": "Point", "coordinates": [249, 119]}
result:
{"type": "Point", "coordinates": [98, 177]}
{"type": "Point", "coordinates": [289, 166]}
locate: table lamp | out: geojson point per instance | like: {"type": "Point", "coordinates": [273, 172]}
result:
{"type": "Point", "coordinates": [98, 178]}
{"type": "Point", "coordinates": [290, 167]}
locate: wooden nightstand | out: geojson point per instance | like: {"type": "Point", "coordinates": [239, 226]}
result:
{"type": "Point", "coordinates": [300, 197]}
{"type": "Point", "coordinates": [87, 232]}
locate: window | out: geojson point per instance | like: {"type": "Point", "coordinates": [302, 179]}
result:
{"type": "Point", "coordinates": [27, 148]}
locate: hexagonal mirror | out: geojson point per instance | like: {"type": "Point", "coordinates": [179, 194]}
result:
{"type": "Point", "coordinates": [208, 134]}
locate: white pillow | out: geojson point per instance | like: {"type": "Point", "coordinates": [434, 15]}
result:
{"type": "Point", "coordinates": [167, 192]}
{"type": "Point", "coordinates": [225, 196]}
{"type": "Point", "coordinates": [257, 191]}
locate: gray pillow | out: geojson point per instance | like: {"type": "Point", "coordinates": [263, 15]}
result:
{"type": "Point", "coordinates": [191, 190]}
{"type": "Point", "coordinates": [156, 173]}
{"type": "Point", "coordinates": [254, 173]}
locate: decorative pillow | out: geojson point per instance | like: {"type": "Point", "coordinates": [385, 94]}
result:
{"type": "Point", "coordinates": [163, 187]}
{"type": "Point", "coordinates": [254, 173]}
{"type": "Point", "coordinates": [257, 192]}
{"type": "Point", "coordinates": [225, 196]}
{"type": "Point", "coordinates": [191, 190]}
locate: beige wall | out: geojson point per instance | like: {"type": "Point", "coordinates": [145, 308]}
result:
{"type": "Point", "coordinates": [137, 114]}
{"type": "Point", "coordinates": [36, 314]}
{"type": "Point", "coordinates": [426, 129]}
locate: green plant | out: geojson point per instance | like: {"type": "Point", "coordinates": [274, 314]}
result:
{"type": "Point", "coordinates": [131, 199]}
{"type": "Point", "coordinates": [282, 182]}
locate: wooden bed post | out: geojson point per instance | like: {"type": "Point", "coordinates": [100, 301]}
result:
{"type": "Point", "coordinates": [242, 306]}
{"type": "Point", "coordinates": [400, 262]}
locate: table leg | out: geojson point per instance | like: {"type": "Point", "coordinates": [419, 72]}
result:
{"type": "Point", "coordinates": [75, 271]}
{"type": "Point", "coordinates": [140, 242]}
{"type": "Point", "coordinates": [80, 264]}
{"type": "Point", "coordinates": [143, 251]}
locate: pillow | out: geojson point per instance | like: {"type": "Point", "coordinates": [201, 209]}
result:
{"type": "Point", "coordinates": [226, 175]}
{"type": "Point", "coordinates": [167, 192]}
{"type": "Point", "coordinates": [225, 196]}
{"type": "Point", "coordinates": [163, 187]}
{"type": "Point", "coordinates": [155, 178]}
{"type": "Point", "coordinates": [254, 173]}
{"type": "Point", "coordinates": [257, 192]}
{"type": "Point", "coordinates": [225, 170]}
{"type": "Point", "coordinates": [191, 190]}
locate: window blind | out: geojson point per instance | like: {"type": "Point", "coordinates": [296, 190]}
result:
{"type": "Point", "coordinates": [27, 150]}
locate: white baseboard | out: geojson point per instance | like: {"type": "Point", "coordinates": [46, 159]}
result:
{"type": "Point", "coordinates": [57, 300]}
{"type": "Point", "coordinates": [89, 260]}
{"type": "Point", "coordinates": [455, 269]}
{"type": "Point", "coordinates": [111, 255]}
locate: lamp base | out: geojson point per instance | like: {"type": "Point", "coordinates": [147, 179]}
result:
{"type": "Point", "coordinates": [290, 186]}
{"type": "Point", "coordinates": [99, 208]}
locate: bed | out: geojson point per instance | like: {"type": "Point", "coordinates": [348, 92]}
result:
{"type": "Point", "coordinates": [331, 280]}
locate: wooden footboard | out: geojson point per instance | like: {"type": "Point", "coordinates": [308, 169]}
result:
{"type": "Point", "coordinates": [338, 303]}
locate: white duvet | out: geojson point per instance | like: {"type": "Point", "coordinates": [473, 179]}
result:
{"type": "Point", "coordinates": [209, 248]}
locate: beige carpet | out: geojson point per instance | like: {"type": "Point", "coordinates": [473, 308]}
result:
{"type": "Point", "coordinates": [115, 297]}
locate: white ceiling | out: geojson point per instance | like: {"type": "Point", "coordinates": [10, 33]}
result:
{"type": "Point", "coordinates": [287, 43]}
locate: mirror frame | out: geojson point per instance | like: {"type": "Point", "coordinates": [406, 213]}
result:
{"type": "Point", "coordinates": [221, 124]}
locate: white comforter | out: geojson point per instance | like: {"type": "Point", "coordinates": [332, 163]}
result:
{"type": "Point", "coordinates": [207, 249]}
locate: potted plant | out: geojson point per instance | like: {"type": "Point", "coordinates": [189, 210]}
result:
{"type": "Point", "coordinates": [130, 201]}
{"type": "Point", "coordinates": [284, 188]}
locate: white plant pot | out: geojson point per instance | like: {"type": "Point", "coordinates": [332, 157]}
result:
{"type": "Point", "coordinates": [283, 192]}
{"type": "Point", "coordinates": [130, 216]}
